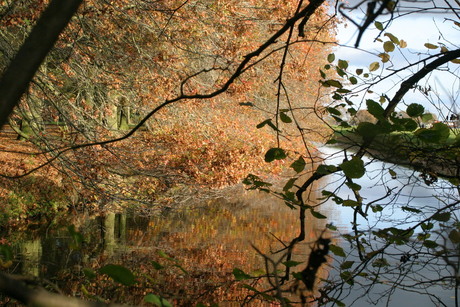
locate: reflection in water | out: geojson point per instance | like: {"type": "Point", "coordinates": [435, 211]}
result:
{"type": "Point", "coordinates": [186, 256]}
{"type": "Point", "coordinates": [31, 252]}
{"type": "Point", "coordinates": [423, 281]}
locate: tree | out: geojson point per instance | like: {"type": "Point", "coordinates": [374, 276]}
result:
{"type": "Point", "coordinates": [116, 60]}
{"type": "Point", "coordinates": [411, 250]}
{"type": "Point", "coordinates": [421, 237]}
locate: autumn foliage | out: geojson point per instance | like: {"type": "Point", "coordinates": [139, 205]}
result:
{"type": "Point", "coordinates": [118, 60]}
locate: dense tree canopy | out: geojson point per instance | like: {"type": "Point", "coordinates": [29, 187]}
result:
{"type": "Point", "coordinates": [116, 62]}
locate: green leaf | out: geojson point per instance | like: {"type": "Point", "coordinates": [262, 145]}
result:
{"type": "Point", "coordinates": [427, 117]}
{"type": "Point", "coordinates": [392, 173]}
{"type": "Point", "coordinates": [318, 215]}
{"type": "Point", "coordinates": [289, 184]}
{"type": "Point", "coordinates": [388, 46]}
{"type": "Point", "coordinates": [415, 109]}
{"type": "Point", "coordinates": [285, 118]}
{"type": "Point", "coordinates": [333, 83]}
{"type": "Point", "coordinates": [430, 244]}
{"type": "Point", "coordinates": [353, 168]}
{"type": "Point", "coordinates": [275, 154]}
{"type": "Point", "coordinates": [340, 72]}
{"type": "Point", "coordinates": [299, 164]}
{"type": "Point", "coordinates": [368, 130]}
{"type": "Point", "coordinates": [343, 64]}
{"type": "Point", "coordinates": [157, 300]}
{"type": "Point", "coordinates": [403, 124]}
{"type": "Point", "coordinates": [337, 250]}
{"type": "Point", "coordinates": [180, 268]}
{"type": "Point", "coordinates": [374, 66]}
{"type": "Point", "coordinates": [333, 111]}
{"type": "Point", "coordinates": [269, 123]}
{"type": "Point", "coordinates": [6, 252]}
{"type": "Point", "coordinates": [326, 169]}
{"type": "Point", "coordinates": [258, 273]}
{"type": "Point", "coordinates": [250, 288]}
{"type": "Point", "coordinates": [427, 226]}
{"type": "Point", "coordinates": [352, 111]}
{"type": "Point", "coordinates": [291, 263]}
{"type": "Point", "coordinates": [380, 263]}
{"type": "Point", "coordinates": [438, 133]}
{"type": "Point", "coordinates": [260, 125]}
{"type": "Point", "coordinates": [347, 277]}
{"type": "Point", "coordinates": [443, 129]}
{"type": "Point", "coordinates": [391, 6]}
{"type": "Point", "coordinates": [337, 96]}
{"type": "Point", "coordinates": [323, 75]}
{"type": "Point", "coordinates": [77, 237]}
{"type": "Point", "coordinates": [255, 182]}
{"type": "Point", "coordinates": [162, 254]}
{"type": "Point", "coordinates": [454, 181]}
{"type": "Point", "coordinates": [410, 209]}
{"type": "Point", "coordinates": [353, 80]}
{"type": "Point", "coordinates": [359, 71]}
{"type": "Point", "coordinates": [428, 135]}
{"type": "Point", "coordinates": [157, 265]}
{"type": "Point", "coordinates": [119, 274]}
{"type": "Point", "coordinates": [346, 265]}
{"type": "Point", "coordinates": [353, 186]}
{"type": "Point", "coordinates": [454, 236]}
{"type": "Point", "coordinates": [378, 25]}
{"type": "Point", "coordinates": [442, 217]}
{"type": "Point", "coordinates": [408, 124]}
{"type": "Point", "coordinates": [393, 38]}
{"type": "Point", "coordinates": [375, 108]}
{"type": "Point", "coordinates": [343, 90]}
{"type": "Point", "coordinates": [350, 203]}
{"type": "Point", "coordinates": [89, 273]}
{"type": "Point", "coordinates": [240, 275]}
{"type": "Point", "coordinates": [331, 58]}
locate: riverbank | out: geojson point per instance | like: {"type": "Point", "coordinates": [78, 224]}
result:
{"type": "Point", "coordinates": [150, 170]}
{"type": "Point", "coordinates": [404, 148]}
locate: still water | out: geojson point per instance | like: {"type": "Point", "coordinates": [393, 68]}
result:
{"type": "Point", "coordinates": [188, 256]}
{"type": "Point", "coordinates": [197, 249]}
{"type": "Point", "coordinates": [404, 188]}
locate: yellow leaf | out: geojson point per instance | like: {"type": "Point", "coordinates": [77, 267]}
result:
{"type": "Point", "coordinates": [393, 38]}
{"type": "Point", "coordinates": [431, 46]}
{"type": "Point", "coordinates": [374, 66]}
{"type": "Point", "coordinates": [385, 57]}
{"type": "Point", "coordinates": [388, 46]}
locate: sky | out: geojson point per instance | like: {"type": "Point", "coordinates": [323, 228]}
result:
{"type": "Point", "coordinates": [416, 30]}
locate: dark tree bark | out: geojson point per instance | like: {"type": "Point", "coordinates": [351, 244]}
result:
{"type": "Point", "coordinates": [22, 68]}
